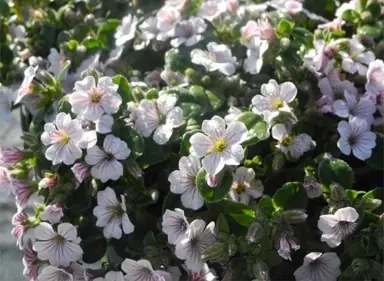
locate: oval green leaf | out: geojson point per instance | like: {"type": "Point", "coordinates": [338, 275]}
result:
{"type": "Point", "coordinates": [217, 193]}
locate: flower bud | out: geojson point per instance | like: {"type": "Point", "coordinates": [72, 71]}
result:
{"type": "Point", "coordinates": [217, 252]}
{"type": "Point", "coordinates": [285, 43]}
{"type": "Point", "coordinates": [81, 50]}
{"type": "Point", "coordinates": [49, 181]}
{"type": "Point", "coordinates": [89, 19]}
{"type": "Point", "coordinates": [206, 80]}
{"type": "Point", "coordinates": [260, 271]}
{"type": "Point", "coordinates": [294, 216]}
{"type": "Point", "coordinates": [190, 73]}
{"type": "Point", "coordinates": [337, 193]}
{"type": "Point", "coordinates": [255, 232]}
{"type": "Point", "coordinates": [278, 162]}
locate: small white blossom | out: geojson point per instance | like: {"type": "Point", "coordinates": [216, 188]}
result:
{"type": "Point", "coordinates": [112, 214]}
{"type": "Point", "coordinates": [175, 225]}
{"type": "Point", "coordinates": [274, 97]}
{"type": "Point", "coordinates": [254, 60]}
{"type": "Point", "coordinates": [218, 57]}
{"type": "Point", "coordinates": [293, 146]}
{"type": "Point", "coordinates": [111, 276]}
{"type": "Point", "coordinates": [356, 137]}
{"type": "Point", "coordinates": [60, 247]}
{"type": "Point", "coordinates": [245, 186]}
{"type": "Point", "coordinates": [198, 239]}
{"type": "Point", "coordinates": [316, 59]}
{"type": "Point", "coordinates": [356, 60]}
{"type": "Point", "coordinates": [285, 244]}
{"type": "Point", "coordinates": [188, 32]}
{"type": "Point", "coordinates": [52, 213]}
{"type": "Point", "coordinates": [56, 62]}
{"type": "Point", "coordinates": [173, 78]}
{"type": "Point", "coordinates": [159, 116]}
{"type": "Point", "coordinates": [375, 77]}
{"type": "Point", "coordinates": [65, 139]}
{"type": "Point", "coordinates": [142, 270]}
{"type": "Point", "coordinates": [92, 101]}
{"type": "Point", "coordinates": [126, 31]}
{"type": "Point", "coordinates": [319, 267]}
{"type": "Point", "coordinates": [26, 87]}
{"type": "Point", "coordinates": [105, 164]}
{"type": "Point", "coordinates": [51, 273]}
{"type": "Point", "coordinates": [149, 29]}
{"type": "Point", "coordinates": [351, 106]}
{"type": "Point", "coordinates": [337, 226]}
{"type": "Point", "coordinates": [313, 187]}
{"type": "Point", "coordinates": [220, 144]}
{"type": "Point", "coordinates": [211, 9]}
{"type": "Point", "coordinates": [183, 182]}
{"type": "Point", "coordinates": [167, 18]}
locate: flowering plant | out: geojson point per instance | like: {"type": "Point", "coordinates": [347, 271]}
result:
{"type": "Point", "coordinates": [195, 140]}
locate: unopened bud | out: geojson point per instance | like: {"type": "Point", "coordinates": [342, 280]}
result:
{"type": "Point", "coordinates": [294, 216]}
{"type": "Point", "coordinates": [260, 271]}
{"type": "Point", "coordinates": [337, 193]}
{"type": "Point", "coordinates": [190, 73]}
{"type": "Point", "coordinates": [278, 162]}
{"type": "Point", "coordinates": [255, 232]}
{"type": "Point", "coordinates": [285, 43]}
{"type": "Point", "coordinates": [206, 80]}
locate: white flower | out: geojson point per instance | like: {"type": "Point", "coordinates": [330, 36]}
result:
{"type": "Point", "coordinates": [316, 59]}
{"type": "Point", "coordinates": [167, 18]}
{"type": "Point", "coordinates": [6, 184]}
{"type": "Point", "coordinates": [26, 87]}
{"type": "Point", "coordinates": [92, 101]}
{"type": "Point", "coordinates": [188, 32]}
{"type": "Point", "coordinates": [355, 136]}
{"type": "Point", "coordinates": [292, 7]}
{"type": "Point", "coordinates": [254, 60]}
{"type": "Point", "coordinates": [211, 9]}
{"type": "Point", "coordinates": [198, 239]}
{"type": "Point", "coordinates": [233, 112]}
{"type": "Point", "coordinates": [105, 162]}
{"type": "Point", "coordinates": [51, 273]}
{"type": "Point", "coordinates": [149, 29]}
{"type": "Point", "coordinates": [313, 187]}
{"type": "Point", "coordinates": [175, 225]}
{"type": "Point", "coordinates": [6, 97]}
{"type": "Point", "coordinates": [202, 274]}
{"type": "Point", "coordinates": [103, 125]}
{"type": "Point", "coordinates": [60, 247]}
{"type": "Point", "coordinates": [111, 276]}
{"type": "Point", "coordinates": [285, 244]}
{"type": "Point", "coordinates": [173, 78]}
{"type": "Point", "coordinates": [352, 107]}
{"type": "Point", "coordinates": [126, 31]}
{"type": "Point", "coordinates": [56, 61]}
{"type": "Point", "coordinates": [293, 146]}
{"type": "Point", "coordinates": [218, 57]}
{"type": "Point", "coordinates": [52, 213]}
{"type": "Point", "coordinates": [375, 77]}
{"type": "Point", "coordinates": [64, 139]}
{"type": "Point", "coordinates": [254, 31]}
{"type": "Point", "coordinates": [244, 186]}
{"type": "Point", "coordinates": [183, 182]}
{"type": "Point", "coordinates": [160, 116]}
{"type": "Point", "coordinates": [274, 97]}
{"type": "Point", "coordinates": [319, 267]}
{"type": "Point", "coordinates": [219, 145]}
{"type": "Point", "coordinates": [142, 270]}
{"type": "Point", "coordinates": [338, 226]}
{"type": "Point", "coordinates": [112, 214]}
{"type": "Point", "coordinates": [356, 60]}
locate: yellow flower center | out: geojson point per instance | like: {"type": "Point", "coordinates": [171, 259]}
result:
{"type": "Point", "coordinates": [173, 81]}
{"type": "Point", "coordinates": [64, 137]}
{"type": "Point", "coordinates": [220, 145]}
{"type": "Point", "coordinates": [95, 95]}
{"type": "Point", "coordinates": [238, 187]}
{"type": "Point", "coordinates": [277, 103]}
{"type": "Point", "coordinates": [287, 141]}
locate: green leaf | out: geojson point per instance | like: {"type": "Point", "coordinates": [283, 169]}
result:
{"type": "Point", "coordinates": [185, 145]}
{"type": "Point", "coordinates": [351, 16]}
{"type": "Point", "coordinates": [217, 193]}
{"type": "Point", "coordinates": [6, 55]}
{"type": "Point", "coordinates": [371, 200]}
{"type": "Point", "coordinates": [372, 31]}
{"type": "Point", "coordinates": [265, 206]}
{"type": "Point", "coordinates": [292, 195]}
{"type": "Point", "coordinates": [153, 153]}
{"type": "Point", "coordinates": [336, 170]}
{"type": "Point", "coordinates": [134, 140]}
{"type": "Point", "coordinates": [222, 224]}
{"type": "Point", "coordinates": [353, 194]}
{"type": "Point", "coordinates": [149, 239]}
{"type": "Point", "coordinates": [191, 110]}
{"type": "Point", "coordinates": [105, 34]}
{"type": "Point", "coordinates": [377, 160]}
{"type": "Point", "coordinates": [241, 213]}
{"type": "Point", "coordinates": [374, 9]}
{"type": "Point", "coordinates": [257, 127]}
{"type": "Point", "coordinates": [72, 45]}
{"type": "Point", "coordinates": [91, 44]}
{"type": "Point", "coordinates": [285, 27]}
{"type": "Point", "coordinates": [215, 99]}
{"type": "Point", "coordinates": [124, 89]}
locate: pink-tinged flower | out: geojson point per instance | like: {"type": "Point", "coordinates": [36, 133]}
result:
{"type": "Point", "coordinates": [149, 29]}
{"type": "Point", "coordinates": [211, 9]}
{"type": "Point", "coordinates": [60, 247]}
{"type": "Point", "coordinates": [51, 273]}
{"type": "Point", "coordinates": [25, 88]}
{"type": "Point", "coordinates": [351, 107]}
{"type": "Point", "coordinates": [313, 187]}
{"type": "Point", "coordinates": [291, 7]}
{"type": "Point", "coordinates": [142, 270]}
{"type": "Point", "coordinates": [375, 77]}
{"type": "Point", "coordinates": [324, 105]}
{"type": "Point", "coordinates": [356, 60]}
{"type": "Point", "coordinates": [63, 138]}
{"type": "Point", "coordinates": [22, 192]}
{"type": "Point", "coordinates": [316, 59]}
{"type": "Point", "coordinates": [20, 222]}
{"type": "Point", "coordinates": [167, 18]}
{"type": "Point", "coordinates": [6, 186]}
{"type": "Point", "coordinates": [52, 213]}
{"type": "Point", "coordinates": [49, 181]}
{"type": "Point", "coordinates": [32, 272]}
{"type": "Point", "coordinates": [105, 162]}
{"type": "Point", "coordinates": [92, 101]}
{"type": "Point", "coordinates": [173, 78]}
{"type": "Point", "coordinates": [112, 214]}
{"type": "Point", "coordinates": [245, 186]}
{"type": "Point", "coordinates": [219, 145]}
{"type": "Point", "coordinates": [232, 6]}
{"type": "Point", "coordinates": [356, 137]}
{"type": "Point", "coordinates": [9, 156]}
{"type": "Point", "coordinates": [81, 171]}
{"type": "Point", "coordinates": [126, 31]}
{"type": "Point", "coordinates": [338, 226]}
{"type": "Point", "coordinates": [31, 262]}
{"type": "Point", "coordinates": [285, 244]}
{"type": "Point", "coordinates": [112, 276]}
{"type": "Point", "coordinates": [202, 274]}
{"type": "Point", "coordinates": [262, 29]}
{"type": "Point", "coordinates": [175, 225]}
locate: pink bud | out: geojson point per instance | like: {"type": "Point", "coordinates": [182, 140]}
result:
{"type": "Point", "coordinates": [81, 171]}
{"type": "Point", "coordinates": [232, 6]}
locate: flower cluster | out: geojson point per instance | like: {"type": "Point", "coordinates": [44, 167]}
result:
{"type": "Point", "coordinates": [195, 140]}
